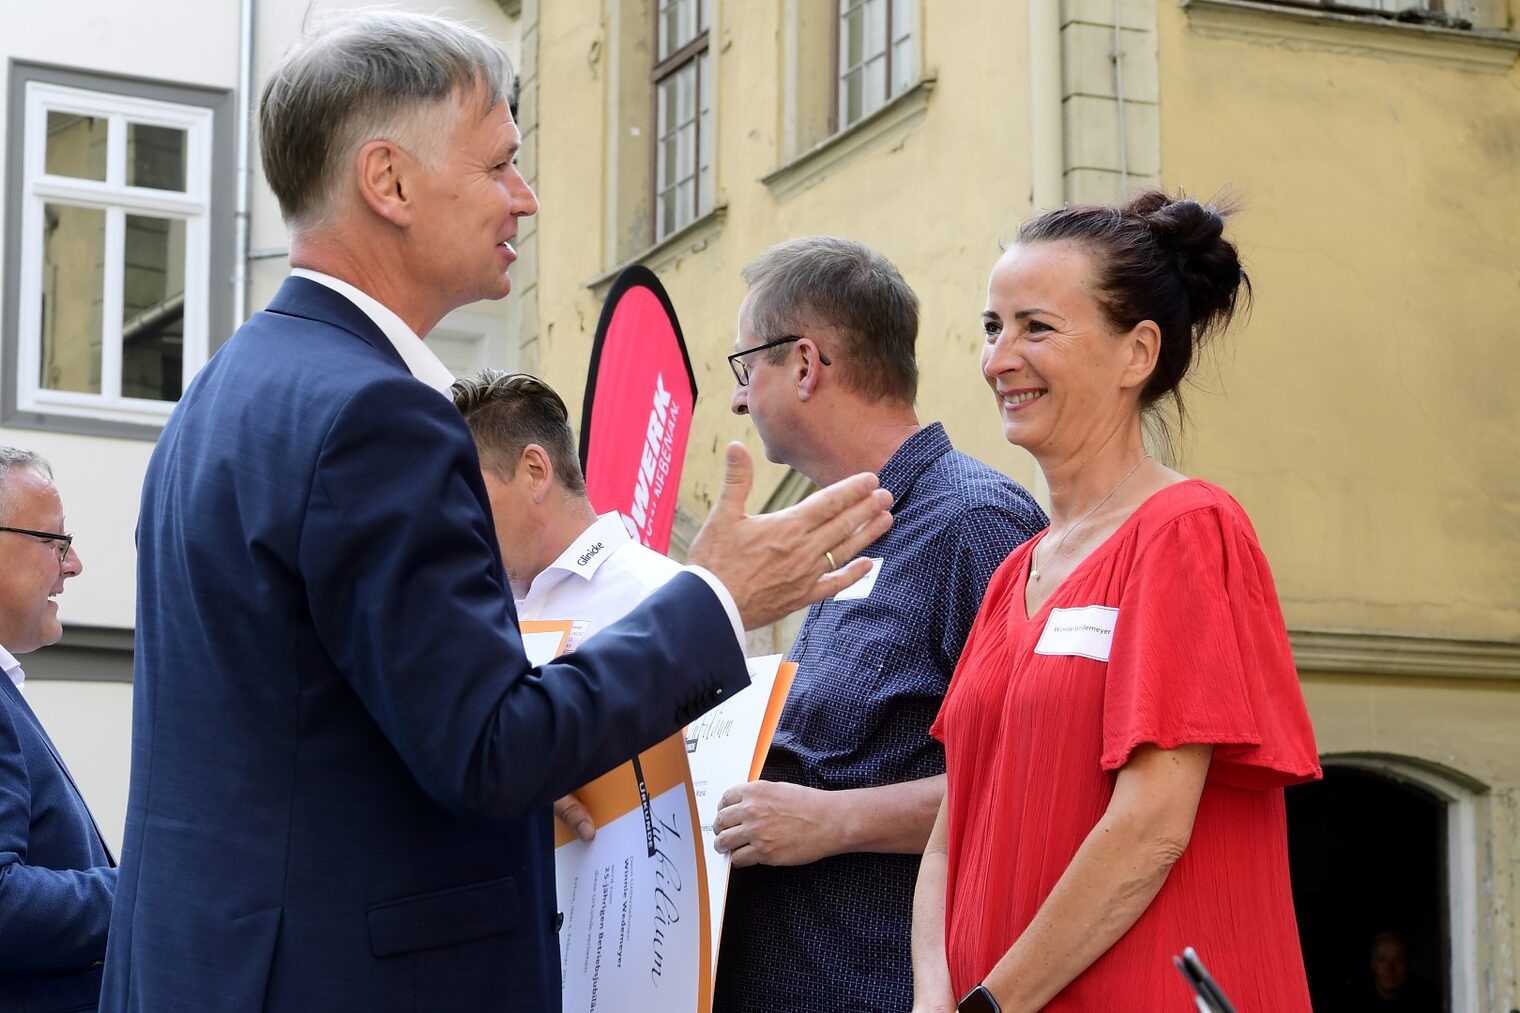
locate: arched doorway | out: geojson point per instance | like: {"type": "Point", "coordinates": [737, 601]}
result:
{"type": "Point", "coordinates": [1382, 845]}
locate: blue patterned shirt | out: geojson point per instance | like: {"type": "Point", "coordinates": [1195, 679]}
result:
{"type": "Point", "coordinates": [871, 673]}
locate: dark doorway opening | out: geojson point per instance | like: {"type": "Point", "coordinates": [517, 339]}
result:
{"type": "Point", "coordinates": [1368, 856]}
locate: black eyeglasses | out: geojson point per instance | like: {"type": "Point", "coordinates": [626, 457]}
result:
{"type": "Point", "coordinates": [741, 368]}
{"type": "Point", "coordinates": [62, 541]}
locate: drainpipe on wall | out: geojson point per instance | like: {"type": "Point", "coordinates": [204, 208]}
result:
{"type": "Point", "coordinates": [1046, 138]}
{"type": "Point", "coordinates": [244, 155]}
{"type": "Point", "coordinates": [1118, 59]}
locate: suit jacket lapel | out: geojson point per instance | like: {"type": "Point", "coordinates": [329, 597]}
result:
{"type": "Point", "coordinates": [19, 702]}
{"type": "Point", "coordinates": [311, 300]}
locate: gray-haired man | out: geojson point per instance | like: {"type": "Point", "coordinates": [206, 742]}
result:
{"type": "Point", "coordinates": [56, 879]}
{"type": "Point", "coordinates": [342, 762]}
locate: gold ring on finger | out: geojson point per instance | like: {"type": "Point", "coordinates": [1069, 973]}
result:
{"type": "Point", "coordinates": [830, 557]}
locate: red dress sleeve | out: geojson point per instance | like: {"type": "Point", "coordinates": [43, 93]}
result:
{"type": "Point", "coordinates": [1200, 655]}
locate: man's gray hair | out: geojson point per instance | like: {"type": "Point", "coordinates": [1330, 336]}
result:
{"type": "Point", "coordinates": [824, 281]}
{"type": "Point", "coordinates": [12, 458]}
{"type": "Point", "coordinates": [362, 76]}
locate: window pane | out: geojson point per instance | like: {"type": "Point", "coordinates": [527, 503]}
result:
{"type": "Point", "coordinates": [153, 308]}
{"type": "Point", "coordinates": [667, 212]}
{"type": "Point", "coordinates": [902, 23]}
{"type": "Point", "coordinates": [875, 83]}
{"type": "Point", "coordinates": [852, 40]}
{"type": "Point", "coordinates": [76, 145]}
{"type": "Point", "coordinates": [854, 98]}
{"type": "Point", "coordinates": [902, 66]}
{"type": "Point", "coordinates": [676, 168]}
{"type": "Point", "coordinates": [156, 157]}
{"type": "Point", "coordinates": [73, 290]}
{"type": "Point", "coordinates": [677, 26]}
{"type": "Point", "coordinates": [686, 95]}
{"type": "Point", "coordinates": [876, 28]}
{"type": "Point", "coordinates": [705, 136]}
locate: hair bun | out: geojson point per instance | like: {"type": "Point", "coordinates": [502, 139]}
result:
{"type": "Point", "coordinates": [1193, 233]}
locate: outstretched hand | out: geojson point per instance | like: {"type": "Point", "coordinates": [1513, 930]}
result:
{"type": "Point", "coordinates": [774, 564]}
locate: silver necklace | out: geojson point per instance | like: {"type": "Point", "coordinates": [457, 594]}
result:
{"type": "Point", "coordinates": [1034, 564]}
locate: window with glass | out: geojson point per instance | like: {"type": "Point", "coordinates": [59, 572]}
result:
{"type": "Point", "coordinates": [683, 92]}
{"type": "Point", "coordinates": [877, 56]}
{"type": "Point", "coordinates": [114, 241]}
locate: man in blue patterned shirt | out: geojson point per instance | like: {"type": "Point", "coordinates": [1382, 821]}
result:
{"type": "Point", "coordinates": [826, 845]}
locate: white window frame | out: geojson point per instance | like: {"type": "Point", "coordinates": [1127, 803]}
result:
{"type": "Point", "coordinates": [892, 33]}
{"type": "Point", "coordinates": [117, 200]}
{"type": "Point", "coordinates": [696, 56]}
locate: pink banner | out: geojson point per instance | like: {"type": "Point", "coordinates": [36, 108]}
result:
{"type": "Point", "coordinates": [637, 416]}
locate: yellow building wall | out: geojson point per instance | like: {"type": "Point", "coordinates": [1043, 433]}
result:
{"type": "Point", "coordinates": [935, 200]}
{"type": "Point", "coordinates": [1368, 415]}
{"type": "Point", "coordinates": [1360, 414]}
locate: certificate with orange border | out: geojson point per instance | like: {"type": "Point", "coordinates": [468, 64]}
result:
{"type": "Point", "coordinates": [726, 747]}
{"type": "Point", "coordinates": [641, 905]}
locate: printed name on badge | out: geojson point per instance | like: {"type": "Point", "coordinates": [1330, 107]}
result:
{"type": "Point", "coordinates": [1086, 632]}
{"type": "Point", "coordinates": [862, 587]}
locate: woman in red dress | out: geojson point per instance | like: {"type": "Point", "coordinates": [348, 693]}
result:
{"type": "Point", "coordinates": [1126, 712]}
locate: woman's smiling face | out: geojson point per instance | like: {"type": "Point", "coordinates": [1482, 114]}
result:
{"type": "Point", "coordinates": [1057, 369]}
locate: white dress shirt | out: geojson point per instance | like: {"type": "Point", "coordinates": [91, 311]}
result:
{"type": "Point", "coordinates": [428, 368]}
{"type": "Point", "coordinates": [597, 580]}
{"type": "Point", "coordinates": [11, 667]}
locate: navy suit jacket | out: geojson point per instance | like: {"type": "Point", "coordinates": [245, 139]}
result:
{"type": "Point", "coordinates": [56, 879]}
{"type": "Point", "coordinates": [342, 761]}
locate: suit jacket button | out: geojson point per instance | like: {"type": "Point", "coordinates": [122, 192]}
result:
{"type": "Point", "coordinates": [559, 920]}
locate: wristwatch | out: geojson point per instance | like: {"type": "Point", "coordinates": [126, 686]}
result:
{"type": "Point", "coordinates": [979, 1000]}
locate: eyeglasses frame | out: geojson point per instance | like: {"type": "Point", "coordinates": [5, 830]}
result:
{"type": "Point", "coordinates": [51, 536]}
{"type": "Point", "coordinates": [741, 369]}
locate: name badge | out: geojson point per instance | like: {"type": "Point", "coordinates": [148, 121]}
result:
{"type": "Point", "coordinates": [1086, 632]}
{"type": "Point", "coordinates": [862, 587]}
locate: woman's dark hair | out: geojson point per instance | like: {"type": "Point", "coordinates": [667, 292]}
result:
{"type": "Point", "coordinates": [1159, 258]}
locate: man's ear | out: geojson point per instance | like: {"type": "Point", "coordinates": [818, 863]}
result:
{"type": "Point", "coordinates": [1143, 343]}
{"type": "Point", "coordinates": [807, 368]}
{"type": "Point", "coordinates": [386, 174]}
{"type": "Point", "coordinates": [535, 468]}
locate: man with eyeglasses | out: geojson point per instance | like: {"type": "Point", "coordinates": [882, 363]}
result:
{"type": "Point", "coordinates": [56, 876]}
{"type": "Point", "coordinates": [826, 844]}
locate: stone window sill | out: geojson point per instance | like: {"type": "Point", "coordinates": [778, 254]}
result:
{"type": "Point", "coordinates": [1477, 50]}
{"type": "Point", "coordinates": [693, 237]}
{"type": "Point", "coordinates": [891, 121]}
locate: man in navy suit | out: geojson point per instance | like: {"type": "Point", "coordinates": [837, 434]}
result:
{"type": "Point", "coordinates": [342, 761]}
{"type": "Point", "coordinates": [56, 877]}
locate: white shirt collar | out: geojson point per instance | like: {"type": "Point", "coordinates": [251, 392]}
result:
{"type": "Point", "coordinates": [583, 557]}
{"type": "Point", "coordinates": [419, 358]}
{"type": "Point", "coordinates": [592, 547]}
{"type": "Point", "coordinates": [11, 667]}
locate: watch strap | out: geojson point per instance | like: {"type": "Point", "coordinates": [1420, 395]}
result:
{"type": "Point", "coordinates": [979, 1000]}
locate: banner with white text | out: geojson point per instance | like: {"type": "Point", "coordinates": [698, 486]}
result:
{"type": "Point", "coordinates": [637, 415]}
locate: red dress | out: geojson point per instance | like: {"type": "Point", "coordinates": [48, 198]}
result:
{"type": "Point", "coordinates": [1198, 653]}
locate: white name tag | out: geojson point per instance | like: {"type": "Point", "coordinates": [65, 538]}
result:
{"type": "Point", "coordinates": [862, 587]}
{"type": "Point", "coordinates": [1086, 632]}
